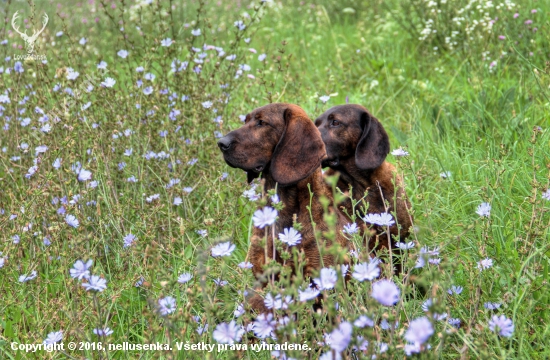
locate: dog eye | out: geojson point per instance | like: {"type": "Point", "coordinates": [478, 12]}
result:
{"type": "Point", "coordinates": [260, 123]}
{"type": "Point", "coordinates": [334, 123]}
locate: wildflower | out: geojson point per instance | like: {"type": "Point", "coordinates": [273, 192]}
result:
{"type": "Point", "coordinates": [72, 221]}
{"type": "Point", "coordinates": [366, 271]}
{"type": "Point", "coordinates": [166, 305]}
{"type": "Point", "coordinates": [148, 90]}
{"type": "Point", "coordinates": [275, 199]}
{"type": "Point", "coordinates": [102, 65]}
{"type": "Point", "coordinates": [454, 322]}
{"type": "Point", "coordinates": [166, 42]}
{"type": "Point", "coordinates": [445, 174]}
{"type": "Point", "coordinates": [32, 170]}
{"type": "Point", "coordinates": [139, 282]}
{"type": "Point", "coordinates": [122, 53]}
{"type": "Point", "coordinates": [228, 333]}
{"type": "Point", "coordinates": [239, 25]}
{"type": "Point", "coordinates": [546, 195]}
{"type": "Point", "coordinates": [196, 32]}
{"type": "Point", "coordinates": [455, 289]}
{"type": "Point", "coordinates": [95, 283]}
{"type": "Point", "coordinates": [81, 270]}
{"type": "Point", "coordinates": [484, 209]}
{"type": "Point", "coordinates": [239, 311]}
{"type": "Point", "coordinates": [53, 337]}
{"type": "Point", "coordinates": [264, 325]}
{"type": "Point", "coordinates": [516, 15]}
{"type": "Point", "coordinates": [129, 240]}
{"type": "Point", "coordinates": [251, 194]}
{"type": "Point", "coordinates": [72, 74]}
{"type": "Point", "coordinates": [84, 175]}
{"type": "Point", "coordinates": [413, 348]}
{"type": "Point", "coordinates": [152, 198]}
{"type": "Point", "coordinates": [185, 277]}
{"type": "Point", "coordinates": [341, 337]}
{"type": "Point", "coordinates": [103, 332]}
{"type": "Point", "coordinates": [207, 104]}
{"type": "Point", "coordinates": [223, 249]}
{"type": "Point", "coordinates": [327, 279]}
{"type": "Point", "coordinates": [405, 246]}
{"type": "Point", "coordinates": [178, 201]}
{"type": "Point", "coordinates": [324, 98]}
{"type": "Point", "coordinates": [245, 265]}
{"type": "Point", "coordinates": [220, 282]}
{"type": "Point", "coordinates": [277, 302]}
{"type": "Point", "coordinates": [40, 149]}
{"type": "Point", "coordinates": [18, 67]}
{"type": "Point", "coordinates": [491, 305]}
{"type": "Point", "coordinates": [501, 325]}
{"type": "Point", "coordinates": [203, 233]}
{"type": "Point", "coordinates": [385, 292]}
{"type": "Point", "coordinates": [308, 294]}
{"type": "Point", "coordinates": [383, 219]}
{"type": "Point", "coordinates": [264, 217]}
{"type": "Point", "coordinates": [399, 152]}
{"type": "Point", "coordinates": [290, 236]}
{"type": "Point", "coordinates": [363, 321]}
{"type": "Point", "coordinates": [344, 268]}
{"type": "Point", "coordinates": [419, 330]}
{"type": "Point", "coordinates": [262, 57]}
{"type": "Point", "coordinates": [485, 264]}
{"type": "Point", "coordinates": [109, 82]}
{"type": "Point", "coordinates": [201, 329]}
{"type": "Point", "coordinates": [385, 325]}
{"type": "Point", "coordinates": [25, 278]}
{"type": "Point", "coordinates": [350, 229]}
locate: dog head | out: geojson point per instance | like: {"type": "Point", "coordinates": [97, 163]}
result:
{"type": "Point", "coordinates": [278, 139]}
{"type": "Point", "coordinates": [351, 131]}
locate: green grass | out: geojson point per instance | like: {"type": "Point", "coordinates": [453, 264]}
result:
{"type": "Point", "coordinates": [450, 110]}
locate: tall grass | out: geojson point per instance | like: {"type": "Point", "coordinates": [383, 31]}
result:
{"type": "Point", "coordinates": [473, 117]}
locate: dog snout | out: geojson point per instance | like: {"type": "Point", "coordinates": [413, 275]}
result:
{"type": "Point", "coordinates": [225, 143]}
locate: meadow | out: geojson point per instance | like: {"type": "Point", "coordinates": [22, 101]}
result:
{"type": "Point", "coordinates": [114, 197]}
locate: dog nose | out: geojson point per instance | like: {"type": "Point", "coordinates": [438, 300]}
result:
{"type": "Point", "coordinates": [225, 143]}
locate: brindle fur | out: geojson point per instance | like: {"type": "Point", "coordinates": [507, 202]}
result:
{"type": "Point", "coordinates": [282, 144]}
{"type": "Point", "coordinates": [357, 146]}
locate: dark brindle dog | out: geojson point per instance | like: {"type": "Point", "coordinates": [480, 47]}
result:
{"type": "Point", "coordinates": [357, 146]}
{"type": "Point", "coordinates": [282, 143]}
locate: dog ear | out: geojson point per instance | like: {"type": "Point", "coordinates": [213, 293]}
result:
{"type": "Point", "coordinates": [299, 151]}
{"type": "Point", "coordinates": [374, 144]}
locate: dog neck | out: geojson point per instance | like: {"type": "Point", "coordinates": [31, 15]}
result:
{"type": "Point", "coordinates": [370, 180]}
{"type": "Point", "coordinates": [297, 197]}
{"type": "Point", "coordinates": [358, 178]}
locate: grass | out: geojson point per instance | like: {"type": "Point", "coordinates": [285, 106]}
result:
{"type": "Point", "coordinates": [450, 109]}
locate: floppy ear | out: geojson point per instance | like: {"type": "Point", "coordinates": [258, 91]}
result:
{"type": "Point", "coordinates": [374, 144]}
{"type": "Point", "coordinates": [299, 151]}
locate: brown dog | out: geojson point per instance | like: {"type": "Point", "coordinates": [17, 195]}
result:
{"type": "Point", "coordinates": [357, 146]}
{"type": "Point", "coordinates": [282, 144]}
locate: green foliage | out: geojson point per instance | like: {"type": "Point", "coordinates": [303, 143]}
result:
{"type": "Point", "coordinates": [475, 110]}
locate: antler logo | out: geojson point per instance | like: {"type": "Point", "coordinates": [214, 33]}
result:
{"type": "Point", "coordinates": [29, 40]}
